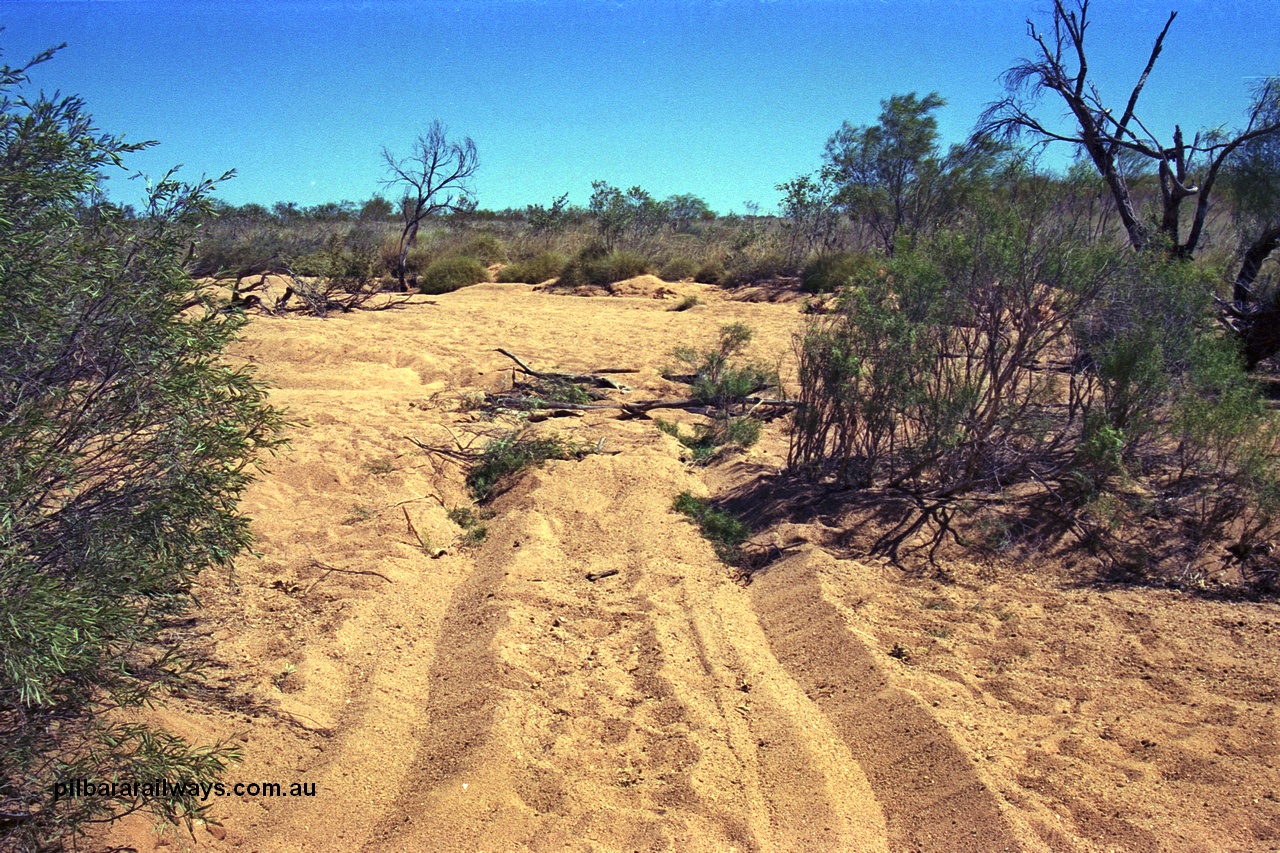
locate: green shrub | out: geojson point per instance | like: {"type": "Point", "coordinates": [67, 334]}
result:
{"type": "Point", "coordinates": [929, 380]}
{"type": "Point", "coordinates": [725, 533]}
{"type": "Point", "coordinates": [554, 390]}
{"type": "Point", "coordinates": [484, 247]}
{"type": "Point", "coordinates": [687, 303]}
{"type": "Point", "coordinates": [473, 531]}
{"type": "Point", "coordinates": [125, 444]}
{"type": "Point", "coordinates": [720, 383]}
{"type": "Point", "coordinates": [449, 274]}
{"type": "Point", "coordinates": [900, 379]}
{"type": "Point", "coordinates": [347, 259]}
{"type": "Point", "coordinates": [707, 439]}
{"type": "Point", "coordinates": [829, 273]}
{"type": "Point", "coordinates": [744, 431]}
{"type": "Point", "coordinates": [592, 267]}
{"type": "Point", "coordinates": [678, 269]}
{"type": "Point", "coordinates": [540, 268]}
{"type": "Point", "coordinates": [504, 457]}
{"type": "Point", "coordinates": [748, 269]}
{"type": "Point", "coordinates": [712, 272]}
{"type": "Point", "coordinates": [716, 380]}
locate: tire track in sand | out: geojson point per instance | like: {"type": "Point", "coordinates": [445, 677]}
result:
{"type": "Point", "coordinates": [642, 712]}
{"type": "Point", "coordinates": [932, 796]}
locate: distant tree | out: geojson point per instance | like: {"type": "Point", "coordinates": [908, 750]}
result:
{"type": "Point", "coordinates": [893, 175]}
{"type": "Point", "coordinates": [126, 440]}
{"type": "Point", "coordinates": [377, 208]}
{"type": "Point", "coordinates": [435, 179]}
{"type": "Point", "coordinates": [648, 215]}
{"type": "Point", "coordinates": [249, 212]}
{"type": "Point", "coordinates": [637, 213]}
{"type": "Point", "coordinates": [684, 210]}
{"type": "Point", "coordinates": [549, 220]}
{"type": "Point", "coordinates": [331, 211]}
{"type": "Point", "coordinates": [286, 211]}
{"type": "Point", "coordinates": [810, 215]}
{"type": "Point", "coordinates": [608, 207]}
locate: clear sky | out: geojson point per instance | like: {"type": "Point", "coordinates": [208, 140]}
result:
{"type": "Point", "coordinates": [720, 98]}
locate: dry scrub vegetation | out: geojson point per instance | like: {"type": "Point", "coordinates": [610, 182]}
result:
{"type": "Point", "coordinates": [936, 418]}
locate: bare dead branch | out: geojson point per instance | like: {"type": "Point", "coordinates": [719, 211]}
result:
{"type": "Point", "coordinates": [580, 378]}
{"type": "Point", "coordinates": [328, 570]}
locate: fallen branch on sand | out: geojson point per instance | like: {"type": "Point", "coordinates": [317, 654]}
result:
{"type": "Point", "coordinates": [315, 296]}
{"type": "Point", "coordinates": [534, 397]}
{"type": "Point", "coordinates": [328, 570]}
{"type": "Point", "coordinates": [593, 378]}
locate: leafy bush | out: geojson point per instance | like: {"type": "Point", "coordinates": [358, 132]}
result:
{"type": "Point", "coordinates": [707, 439]}
{"type": "Point", "coordinates": [925, 376]}
{"type": "Point", "coordinates": [474, 532]}
{"type": "Point", "coordinates": [712, 272]}
{"type": "Point", "coordinates": [1166, 377]}
{"type": "Point", "coordinates": [540, 268]}
{"type": "Point", "coordinates": [504, 457]}
{"type": "Point", "coordinates": [749, 268]}
{"type": "Point", "coordinates": [829, 273]}
{"type": "Point", "coordinates": [1016, 353]}
{"type": "Point", "coordinates": [678, 269]}
{"type": "Point", "coordinates": [484, 247]}
{"type": "Point", "coordinates": [347, 260]}
{"type": "Point", "coordinates": [716, 381]}
{"type": "Point", "coordinates": [724, 386]}
{"type": "Point", "coordinates": [592, 267]}
{"type": "Point", "coordinates": [126, 442]}
{"type": "Point", "coordinates": [449, 274]}
{"type": "Point", "coordinates": [687, 303]}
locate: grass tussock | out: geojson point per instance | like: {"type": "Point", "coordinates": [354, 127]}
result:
{"type": "Point", "coordinates": [707, 440]}
{"type": "Point", "coordinates": [601, 268]}
{"type": "Point", "coordinates": [542, 267]}
{"type": "Point", "coordinates": [725, 532]}
{"type": "Point", "coordinates": [450, 274]}
{"type": "Point", "coordinates": [678, 269]}
{"type": "Point", "coordinates": [832, 272]}
{"type": "Point", "coordinates": [473, 531]}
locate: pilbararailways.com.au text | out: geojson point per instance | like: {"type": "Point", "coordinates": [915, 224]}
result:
{"type": "Point", "coordinates": [164, 789]}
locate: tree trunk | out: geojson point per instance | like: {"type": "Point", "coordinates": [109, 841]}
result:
{"type": "Point", "coordinates": [1252, 264]}
{"type": "Point", "coordinates": [1258, 322]}
{"type": "Point", "coordinates": [407, 239]}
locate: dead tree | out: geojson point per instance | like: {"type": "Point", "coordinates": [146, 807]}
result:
{"type": "Point", "coordinates": [1255, 185]}
{"type": "Point", "coordinates": [1187, 170]}
{"type": "Point", "coordinates": [435, 179]}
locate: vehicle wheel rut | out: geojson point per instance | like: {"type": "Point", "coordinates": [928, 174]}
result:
{"type": "Point", "coordinates": [933, 797]}
{"type": "Point", "coordinates": [639, 712]}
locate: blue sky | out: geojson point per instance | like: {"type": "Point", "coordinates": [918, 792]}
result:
{"type": "Point", "coordinates": [723, 99]}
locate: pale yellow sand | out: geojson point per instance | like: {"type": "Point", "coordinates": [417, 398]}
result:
{"type": "Point", "coordinates": [493, 699]}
